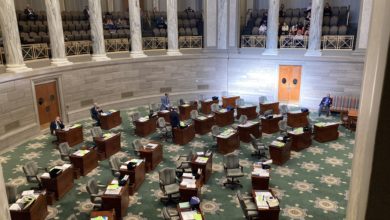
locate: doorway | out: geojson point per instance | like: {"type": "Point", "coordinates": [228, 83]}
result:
{"type": "Point", "coordinates": [46, 97]}
{"type": "Point", "coordinates": [289, 84]}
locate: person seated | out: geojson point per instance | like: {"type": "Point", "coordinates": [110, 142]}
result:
{"type": "Point", "coordinates": [55, 125]}
{"type": "Point", "coordinates": [95, 111]}
{"type": "Point", "coordinates": [285, 29]}
{"type": "Point", "coordinates": [263, 29]}
{"type": "Point", "coordinates": [165, 102]}
{"type": "Point", "coordinates": [293, 30]}
{"type": "Point", "coordinates": [30, 13]}
{"type": "Point", "coordinates": [189, 9]}
{"type": "Point", "coordinates": [110, 26]}
{"type": "Point", "coordinates": [161, 23]}
{"type": "Point", "coordinates": [86, 13]}
{"type": "Point", "coordinates": [281, 11]}
{"type": "Point", "coordinates": [325, 104]}
{"type": "Point", "coordinates": [327, 10]}
{"type": "Point", "coordinates": [175, 118]}
{"type": "Point", "coordinates": [264, 19]}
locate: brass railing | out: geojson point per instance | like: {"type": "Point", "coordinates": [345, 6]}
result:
{"type": "Point", "coordinates": [73, 48]}
{"type": "Point", "coordinates": [190, 42]}
{"type": "Point", "coordinates": [154, 43]}
{"type": "Point", "coordinates": [256, 41]}
{"type": "Point", "coordinates": [35, 51]}
{"type": "Point", "coordinates": [290, 41]}
{"type": "Point", "coordinates": [115, 45]}
{"type": "Point", "coordinates": [338, 42]}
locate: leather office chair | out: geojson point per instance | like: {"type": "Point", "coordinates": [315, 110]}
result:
{"type": "Point", "coordinates": [95, 194]}
{"type": "Point", "coordinates": [32, 173]}
{"type": "Point", "coordinates": [165, 130]}
{"type": "Point", "coordinates": [269, 112]}
{"type": "Point", "coordinates": [169, 185]}
{"type": "Point", "coordinates": [194, 114]}
{"type": "Point", "coordinates": [260, 148]}
{"type": "Point", "coordinates": [168, 216]}
{"type": "Point", "coordinates": [137, 145]}
{"type": "Point", "coordinates": [96, 132]}
{"type": "Point", "coordinates": [115, 164]}
{"type": "Point", "coordinates": [283, 127]}
{"type": "Point", "coordinates": [12, 193]}
{"type": "Point", "coordinates": [183, 163]}
{"type": "Point", "coordinates": [284, 110]}
{"type": "Point", "coordinates": [233, 170]}
{"type": "Point", "coordinates": [242, 120]}
{"type": "Point", "coordinates": [262, 99]}
{"type": "Point", "coordinates": [248, 206]}
{"type": "Point", "coordinates": [65, 151]}
{"type": "Point", "coordinates": [214, 107]}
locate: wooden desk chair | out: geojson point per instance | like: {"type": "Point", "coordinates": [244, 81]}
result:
{"type": "Point", "coordinates": [32, 173]}
{"type": "Point", "coordinates": [95, 193]}
{"type": "Point", "coordinates": [242, 120]}
{"type": "Point", "coordinates": [168, 216]}
{"type": "Point", "coordinates": [248, 206]}
{"type": "Point", "coordinates": [169, 185]}
{"type": "Point", "coordinates": [260, 148]}
{"type": "Point", "coordinates": [233, 170]}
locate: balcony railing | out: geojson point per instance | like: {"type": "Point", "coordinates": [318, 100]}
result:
{"type": "Point", "coordinates": [116, 45]}
{"type": "Point", "coordinates": [290, 41]}
{"type": "Point", "coordinates": [254, 41]}
{"type": "Point", "coordinates": [154, 43]}
{"type": "Point", "coordinates": [190, 42]}
{"type": "Point", "coordinates": [338, 42]}
{"type": "Point", "coordinates": [73, 48]}
{"type": "Point", "coordinates": [35, 51]}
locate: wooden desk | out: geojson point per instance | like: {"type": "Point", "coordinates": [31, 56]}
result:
{"type": "Point", "coordinates": [249, 111]}
{"type": "Point", "coordinates": [165, 115]}
{"type": "Point", "coordinates": [297, 119]}
{"type": "Point", "coordinates": [136, 176]}
{"type": "Point", "coordinates": [300, 141]}
{"type": "Point", "coordinates": [207, 168]}
{"type": "Point", "coordinates": [260, 182]}
{"type": "Point", "coordinates": [109, 214]}
{"type": "Point", "coordinates": [204, 126]}
{"type": "Point", "coordinates": [205, 106]}
{"type": "Point", "coordinates": [108, 147]}
{"type": "Point", "coordinates": [73, 136]}
{"type": "Point", "coordinates": [231, 100]}
{"type": "Point", "coordinates": [36, 211]}
{"type": "Point", "coordinates": [145, 128]}
{"type": "Point", "coordinates": [223, 119]}
{"type": "Point", "coordinates": [267, 106]}
{"type": "Point", "coordinates": [270, 126]}
{"type": "Point", "coordinates": [326, 133]}
{"type": "Point", "coordinates": [85, 163]}
{"type": "Point", "coordinates": [186, 193]}
{"type": "Point", "coordinates": [182, 211]}
{"type": "Point", "coordinates": [244, 131]}
{"type": "Point", "coordinates": [111, 120]}
{"type": "Point", "coordinates": [280, 155]}
{"type": "Point", "coordinates": [269, 214]}
{"type": "Point", "coordinates": [182, 136]}
{"type": "Point", "coordinates": [117, 202]}
{"type": "Point", "coordinates": [61, 184]}
{"type": "Point", "coordinates": [152, 156]}
{"type": "Point", "coordinates": [229, 144]}
{"type": "Point", "coordinates": [185, 110]}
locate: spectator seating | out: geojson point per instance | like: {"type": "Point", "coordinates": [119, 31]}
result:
{"type": "Point", "coordinates": [344, 103]}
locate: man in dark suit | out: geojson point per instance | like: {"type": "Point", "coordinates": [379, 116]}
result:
{"type": "Point", "coordinates": [325, 104]}
{"type": "Point", "coordinates": [86, 13]}
{"type": "Point", "coordinates": [175, 119]}
{"type": "Point", "coordinates": [30, 13]}
{"type": "Point", "coordinates": [57, 124]}
{"type": "Point", "coordinates": [95, 111]}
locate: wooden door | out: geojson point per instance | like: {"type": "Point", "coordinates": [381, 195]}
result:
{"type": "Point", "coordinates": [47, 102]}
{"type": "Point", "coordinates": [289, 83]}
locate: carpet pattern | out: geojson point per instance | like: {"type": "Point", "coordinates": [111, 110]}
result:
{"type": "Point", "coordinates": [313, 184]}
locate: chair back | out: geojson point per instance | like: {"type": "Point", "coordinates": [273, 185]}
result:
{"type": "Point", "coordinates": [30, 169]}
{"type": "Point", "coordinates": [253, 140]}
{"type": "Point", "coordinates": [268, 112]}
{"type": "Point", "coordinates": [12, 192]}
{"type": "Point", "coordinates": [96, 132]}
{"type": "Point", "coordinates": [214, 107]}
{"type": "Point", "coordinates": [167, 176]}
{"type": "Point", "coordinates": [231, 161]}
{"type": "Point", "coordinates": [64, 149]}
{"type": "Point", "coordinates": [242, 203]}
{"type": "Point", "coordinates": [194, 114]}
{"type": "Point", "coordinates": [166, 214]}
{"type": "Point", "coordinates": [240, 102]}
{"type": "Point", "coordinates": [215, 130]}
{"type": "Point", "coordinates": [115, 163]}
{"type": "Point", "coordinates": [282, 125]}
{"type": "Point", "coordinates": [284, 109]}
{"type": "Point", "coordinates": [161, 122]}
{"type": "Point", "coordinates": [243, 119]}
{"type": "Point", "coordinates": [135, 116]}
{"type": "Point", "coordinates": [262, 99]}
{"type": "Point", "coordinates": [190, 155]}
{"type": "Point", "coordinates": [137, 145]}
{"type": "Point", "coordinates": [92, 187]}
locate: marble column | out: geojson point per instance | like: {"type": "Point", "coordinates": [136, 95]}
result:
{"type": "Point", "coordinates": [272, 28]}
{"type": "Point", "coordinates": [4, 209]}
{"type": "Point", "coordinates": [56, 34]}
{"type": "Point", "coordinates": [96, 23]}
{"type": "Point", "coordinates": [135, 29]}
{"type": "Point", "coordinates": [156, 5]}
{"type": "Point", "coordinates": [222, 34]}
{"type": "Point", "coordinates": [233, 23]}
{"type": "Point", "coordinates": [315, 34]}
{"type": "Point", "coordinates": [210, 23]}
{"type": "Point", "coordinates": [173, 39]}
{"type": "Point", "coordinates": [11, 38]}
{"type": "Point", "coordinates": [364, 24]}
{"type": "Point", "coordinates": [110, 5]}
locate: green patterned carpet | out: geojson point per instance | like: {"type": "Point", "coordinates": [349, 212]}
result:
{"type": "Point", "coordinates": [313, 184]}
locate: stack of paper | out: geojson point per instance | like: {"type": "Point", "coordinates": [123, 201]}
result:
{"type": "Point", "coordinates": [28, 193]}
{"type": "Point", "coordinates": [112, 110]}
{"type": "Point", "coordinates": [184, 205]}
{"type": "Point", "coordinates": [201, 159]}
{"type": "Point", "coordinates": [100, 218]}
{"type": "Point", "coordinates": [136, 161]}
{"type": "Point", "coordinates": [75, 126]}
{"type": "Point", "coordinates": [264, 200]}
{"type": "Point", "coordinates": [202, 118]}
{"type": "Point", "coordinates": [81, 153]}
{"type": "Point", "coordinates": [321, 124]}
{"type": "Point", "coordinates": [104, 114]}
{"type": "Point", "coordinates": [113, 190]}
{"type": "Point", "coordinates": [189, 183]}
{"type": "Point", "coordinates": [66, 166]}
{"type": "Point", "coordinates": [151, 145]}
{"type": "Point", "coordinates": [107, 135]}
{"type": "Point", "coordinates": [297, 131]}
{"type": "Point", "coordinates": [201, 153]}
{"type": "Point", "coordinates": [142, 119]}
{"type": "Point", "coordinates": [188, 175]}
{"type": "Point", "coordinates": [45, 175]}
{"type": "Point", "coordinates": [164, 111]}
{"type": "Point", "coordinates": [260, 172]}
{"type": "Point", "coordinates": [189, 215]}
{"type": "Point", "coordinates": [277, 143]}
{"type": "Point", "coordinates": [223, 110]}
{"type": "Point", "coordinates": [247, 124]}
{"type": "Point", "coordinates": [227, 133]}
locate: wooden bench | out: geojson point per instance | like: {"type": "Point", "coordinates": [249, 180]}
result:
{"type": "Point", "coordinates": [344, 103]}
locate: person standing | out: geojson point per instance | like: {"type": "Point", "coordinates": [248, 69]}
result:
{"type": "Point", "coordinates": [165, 102]}
{"type": "Point", "coordinates": [325, 104]}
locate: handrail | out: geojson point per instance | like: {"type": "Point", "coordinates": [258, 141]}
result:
{"type": "Point", "coordinates": [251, 41]}
{"type": "Point", "coordinates": [35, 51]}
{"type": "Point", "coordinates": [190, 42]}
{"type": "Point", "coordinates": [116, 45]}
{"type": "Point", "coordinates": [291, 41]}
{"type": "Point", "coordinates": [338, 42]}
{"type": "Point", "coordinates": [154, 43]}
{"type": "Point", "coordinates": [73, 48]}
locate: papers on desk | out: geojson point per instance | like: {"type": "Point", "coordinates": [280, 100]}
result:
{"type": "Point", "coordinates": [28, 193]}
{"type": "Point", "coordinates": [325, 124]}
{"type": "Point", "coordinates": [191, 215]}
{"type": "Point", "coordinates": [247, 124]}
{"type": "Point", "coordinates": [184, 205]}
{"type": "Point", "coordinates": [136, 161]}
{"type": "Point", "coordinates": [100, 218]}
{"type": "Point", "coordinates": [105, 113]}
{"type": "Point", "coordinates": [81, 153]}
{"type": "Point", "coordinates": [201, 159]}
{"type": "Point", "coordinates": [277, 143]}
{"type": "Point", "coordinates": [15, 207]}
{"type": "Point", "coordinates": [227, 133]}
{"type": "Point", "coordinates": [188, 175]}
{"type": "Point", "coordinates": [265, 200]}
{"type": "Point", "coordinates": [185, 105]}
{"type": "Point", "coordinates": [108, 135]}
{"type": "Point", "coordinates": [223, 110]}
{"type": "Point", "coordinates": [112, 110]}
{"type": "Point", "coordinates": [189, 183]}
{"type": "Point", "coordinates": [113, 190]}
{"type": "Point", "coordinates": [260, 172]}
{"type": "Point", "coordinates": [143, 119]}
{"type": "Point", "coordinates": [24, 202]}
{"type": "Point", "coordinates": [297, 131]}
{"type": "Point", "coordinates": [45, 175]}
{"type": "Point", "coordinates": [151, 146]}
{"type": "Point", "coordinates": [201, 118]}
{"type": "Point", "coordinates": [201, 153]}
{"type": "Point", "coordinates": [75, 126]}
{"type": "Point", "coordinates": [164, 111]}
